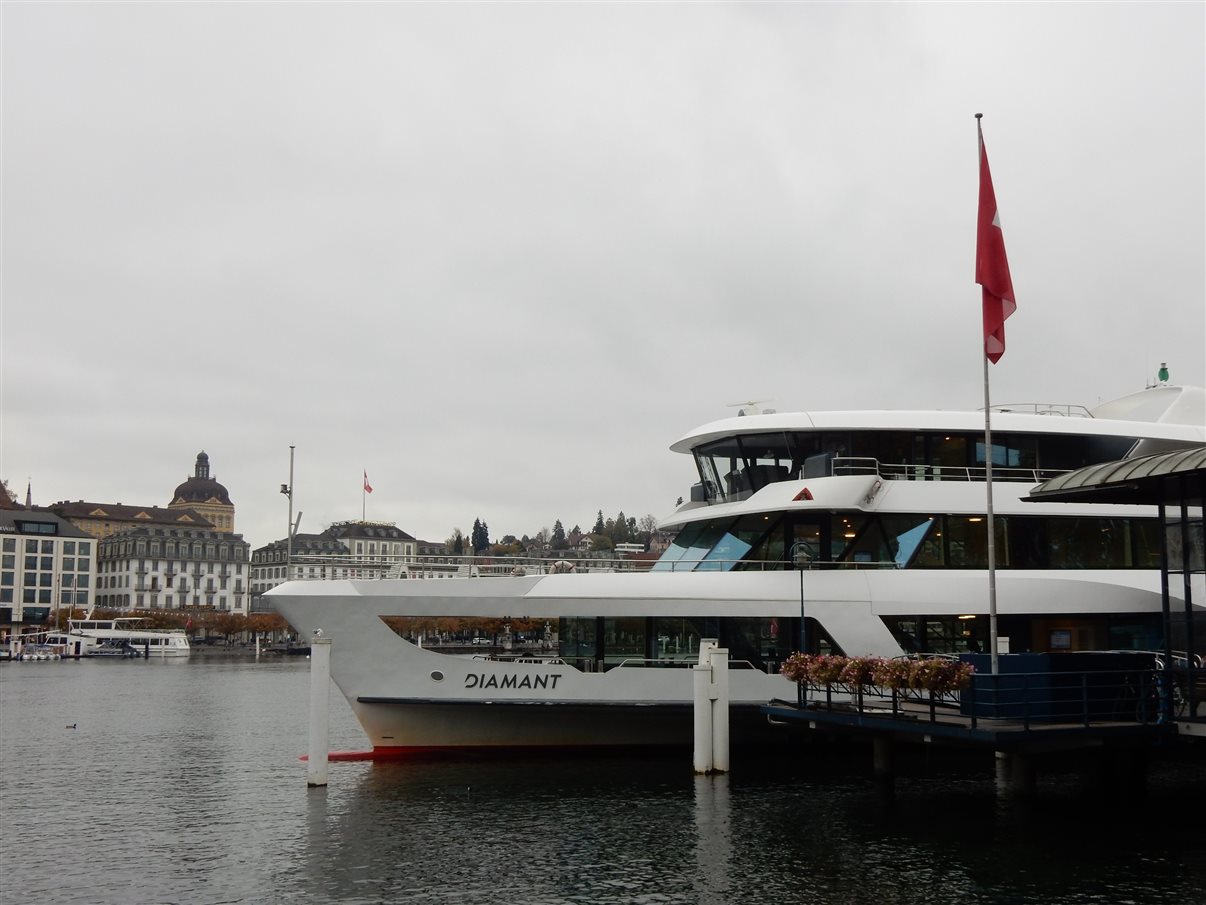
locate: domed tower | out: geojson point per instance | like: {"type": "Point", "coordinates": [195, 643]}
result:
{"type": "Point", "coordinates": [203, 494]}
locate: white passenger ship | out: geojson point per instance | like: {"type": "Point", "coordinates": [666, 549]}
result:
{"type": "Point", "coordinates": [866, 529]}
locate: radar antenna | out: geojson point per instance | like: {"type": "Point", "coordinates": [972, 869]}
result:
{"type": "Point", "coordinates": [750, 407]}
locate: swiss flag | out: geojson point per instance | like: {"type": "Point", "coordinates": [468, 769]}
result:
{"type": "Point", "coordinates": [992, 267]}
{"type": "Point", "coordinates": [367, 487]}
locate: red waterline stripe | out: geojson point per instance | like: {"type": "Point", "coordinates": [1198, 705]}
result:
{"type": "Point", "coordinates": [405, 752]}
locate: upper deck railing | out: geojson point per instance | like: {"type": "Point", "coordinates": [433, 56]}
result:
{"type": "Point", "coordinates": [1059, 409]}
{"type": "Point", "coordinates": [327, 566]}
{"type": "Point", "coordinates": [856, 465]}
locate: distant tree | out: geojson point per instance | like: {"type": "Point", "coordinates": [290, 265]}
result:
{"type": "Point", "coordinates": [600, 526]}
{"type": "Point", "coordinates": [12, 497]}
{"type": "Point", "coordinates": [480, 537]}
{"type": "Point", "coordinates": [632, 527]}
{"type": "Point", "coordinates": [575, 530]}
{"type": "Point", "coordinates": [456, 543]}
{"type": "Point", "coordinates": [619, 531]}
{"type": "Point", "coordinates": [543, 537]}
{"type": "Point", "coordinates": [558, 540]}
{"type": "Point", "coordinates": [509, 539]}
{"type": "Point", "coordinates": [601, 542]}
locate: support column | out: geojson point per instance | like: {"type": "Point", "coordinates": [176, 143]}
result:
{"type": "Point", "coordinates": [720, 710]}
{"type": "Point", "coordinates": [320, 690]}
{"type": "Point", "coordinates": [701, 677]}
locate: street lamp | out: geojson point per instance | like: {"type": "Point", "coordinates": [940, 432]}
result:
{"type": "Point", "coordinates": [801, 557]}
{"type": "Point", "coordinates": [287, 490]}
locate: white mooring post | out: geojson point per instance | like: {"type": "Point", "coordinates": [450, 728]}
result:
{"type": "Point", "coordinates": [720, 710]}
{"type": "Point", "coordinates": [320, 689]}
{"type": "Point", "coordinates": [710, 678]}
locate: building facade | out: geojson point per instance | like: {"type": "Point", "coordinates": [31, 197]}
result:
{"type": "Point", "coordinates": [149, 568]}
{"type": "Point", "coordinates": [344, 550]}
{"type": "Point", "coordinates": [45, 563]}
{"type": "Point", "coordinates": [101, 520]}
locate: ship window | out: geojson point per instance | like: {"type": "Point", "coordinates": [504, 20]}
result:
{"type": "Point", "coordinates": [1086, 543]}
{"type": "Point", "coordinates": [1011, 451]}
{"type": "Point", "coordinates": [708, 537]}
{"type": "Point", "coordinates": [887, 541]}
{"type": "Point", "coordinates": [721, 469]}
{"type": "Point", "coordinates": [735, 544]}
{"type": "Point", "coordinates": [763, 642]}
{"type": "Point", "coordinates": [770, 458]}
{"type": "Point", "coordinates": [623, 639]}
{"type": "Point", "coordinates": [1063, 452]}
{"type": "Point", "coordinates": [967, 541]}
{"type": "Point", "coordinates": [676, 638]}
{"type": "Point", "coordinates": [680, 545]}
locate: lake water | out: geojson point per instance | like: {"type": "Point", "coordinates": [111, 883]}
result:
{"type": "Point", "coordinates": [181, 783]}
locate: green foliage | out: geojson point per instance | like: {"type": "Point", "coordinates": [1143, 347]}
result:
{"type": "Point", "coordinates": [480, 539]}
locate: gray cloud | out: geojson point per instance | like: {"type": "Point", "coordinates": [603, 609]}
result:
{"type": "Point", "coordinates": [501, 255]}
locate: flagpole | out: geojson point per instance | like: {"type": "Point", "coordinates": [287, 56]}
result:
{"type": "Point", "coordinates": [992, 557]}
{"type": "Point", "coordinates": [983, 280]}
{"type": "Point", "coordinates": [363, 495]}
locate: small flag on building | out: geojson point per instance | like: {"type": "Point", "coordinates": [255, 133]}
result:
{"type": "Point", "coordinates": [992, 267]}
{"type": "Point", "coordinates": [367, 487]}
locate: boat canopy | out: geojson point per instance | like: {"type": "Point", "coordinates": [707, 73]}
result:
{"type": "Point", "coordinates": [1167, 477]}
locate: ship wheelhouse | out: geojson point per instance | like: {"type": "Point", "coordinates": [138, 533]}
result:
{"type": "Point", "coordinates": [724, 528]}
{"type": "Point", "coordinates": [734, 467]}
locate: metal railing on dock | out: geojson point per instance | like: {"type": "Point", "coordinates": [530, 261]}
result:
{"type": "Point", "coordinates": [1017, 701]}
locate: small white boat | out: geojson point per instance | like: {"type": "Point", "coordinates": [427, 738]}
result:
{"type": "Point", "coordinates": [125, 636]}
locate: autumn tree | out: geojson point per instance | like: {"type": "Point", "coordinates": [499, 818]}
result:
{"type": "Point", "coordinates": [227, 624]}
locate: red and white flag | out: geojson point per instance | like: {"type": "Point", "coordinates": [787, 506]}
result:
{"type": "Point", "coordinates": [992, 267]}
{"type": "Point", "coordinates": [367, 487]}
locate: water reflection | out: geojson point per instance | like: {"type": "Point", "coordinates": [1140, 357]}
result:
{"type": "Point", "coordinates": [183, 785]}
{"type": "Point", "coordinates": [714, 841]}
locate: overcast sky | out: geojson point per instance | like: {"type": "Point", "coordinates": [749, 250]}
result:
{"type": "Point", "coordinates": [501, 255]}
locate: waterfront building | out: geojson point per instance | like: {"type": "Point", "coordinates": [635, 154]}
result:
{"type": "Point", "coordinates": [204, 494]}
{"type": "Point", "coordinates": [155, 567]}
{"type": "Point", "coordinates": [45, 562]}
{"type": "Point", "coordinates": [101, 520]}
{"type": "Point", "coordinates": [353, 549]}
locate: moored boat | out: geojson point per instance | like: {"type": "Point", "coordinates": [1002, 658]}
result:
{"type": "Point", "coordinates": [847, 532]}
